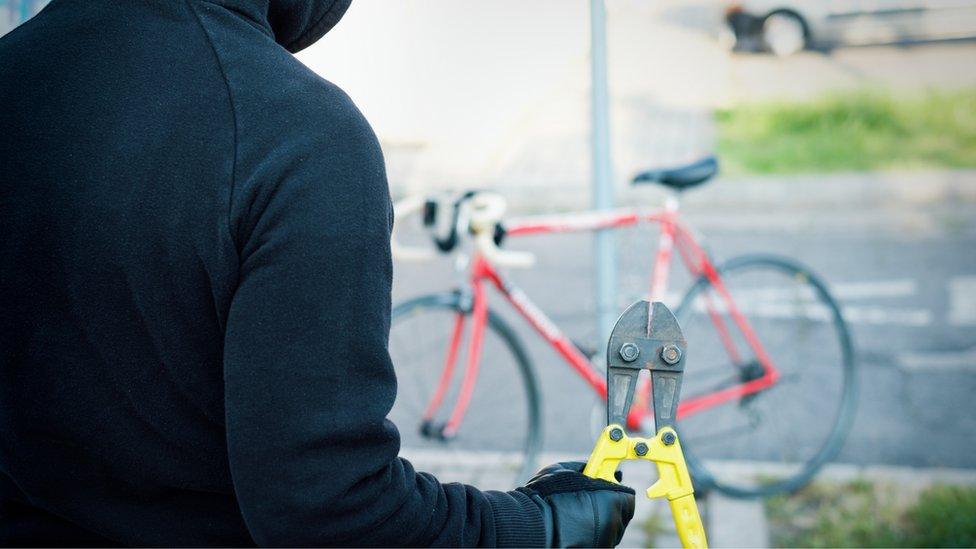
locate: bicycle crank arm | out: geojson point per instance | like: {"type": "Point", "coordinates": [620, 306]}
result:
{"type": "Point", "coordinates": [673, 483]}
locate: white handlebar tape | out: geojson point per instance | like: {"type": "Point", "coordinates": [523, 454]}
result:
{"type": "Point", "coordinates": [487, 212]}
{"type": "Point", "coordinates": [401, 211]}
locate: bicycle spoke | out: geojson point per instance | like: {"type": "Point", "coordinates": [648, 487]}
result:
{"type": "Point", "coordinates": [796, 420]}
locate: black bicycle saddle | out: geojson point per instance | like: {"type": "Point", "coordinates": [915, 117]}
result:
{"type": "Point", "coordinates": [681, 177]}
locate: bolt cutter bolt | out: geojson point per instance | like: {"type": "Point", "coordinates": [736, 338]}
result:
{"type": "Point", "coordinates": [668, 438]}
{"type": "Point", "coordinates": [616, 434]}
{"type": "Point", "coordinates": [629, 352]}
{"type": "Point", "coordinates": [671, 354]}
{"type": "Point", "coordinates": [640, 449]}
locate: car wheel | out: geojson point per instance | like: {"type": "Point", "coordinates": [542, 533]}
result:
{"type": "Point", "coordinates": [784, 33]}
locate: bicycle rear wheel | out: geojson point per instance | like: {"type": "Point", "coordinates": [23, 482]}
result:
{"type": "Point", "coordinates": [776, 439]}
{"type": "Point", "coordinates": [498, 440]}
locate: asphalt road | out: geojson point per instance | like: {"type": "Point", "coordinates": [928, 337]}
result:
{"type": "Point", "coordinates": [910, 300]}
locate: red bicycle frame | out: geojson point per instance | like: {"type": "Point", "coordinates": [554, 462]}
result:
{"type": "Point", "coordinates": [674, 235]}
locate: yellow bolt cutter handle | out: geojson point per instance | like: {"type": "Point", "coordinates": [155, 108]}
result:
{"type": "Point", "coordinates": [674, 482]}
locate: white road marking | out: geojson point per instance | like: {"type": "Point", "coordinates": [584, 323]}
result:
{"type": "Point", "coordinates": [904, 287]}
{"type": "Point", "coordinates": [899, 316]}
{"type": "Point", "coordinates": [962, 300]}
{"type": "Point", "coordinates": [941, 361]}
{"type": "Point", "coordinates": [840, 292]}
{"type": "Point", "coordinates": [810, 310]}
{"type": "Point", "coordinates": [784, 302]}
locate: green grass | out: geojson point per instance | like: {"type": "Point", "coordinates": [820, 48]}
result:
{"type": "Point", "coordinates": [945, 516]}
{"type": "Point", "coordinates": [863, 514]}
{"type": "Point", "coordinates": [855, 131]}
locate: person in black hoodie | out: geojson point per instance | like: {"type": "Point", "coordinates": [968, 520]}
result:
{"type": "Point", "coordinates": [195, 298]}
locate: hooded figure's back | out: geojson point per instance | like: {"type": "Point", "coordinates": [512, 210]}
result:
{"type": "Point", "coordinates": [194, 291]}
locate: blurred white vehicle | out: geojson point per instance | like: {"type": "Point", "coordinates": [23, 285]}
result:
{"type": "Point", "coordinates": [784, 27]}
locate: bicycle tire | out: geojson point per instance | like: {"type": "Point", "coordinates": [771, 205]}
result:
{"type": "Point", "coordinates": [832, 444]}
{"type": "Point", "coordinates": [451, 301]}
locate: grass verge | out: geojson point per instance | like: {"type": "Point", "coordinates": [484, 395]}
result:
{"type": "Point", "coordinates": [865, 514]}
{"type": "Point", "coordinates": [854, 131]}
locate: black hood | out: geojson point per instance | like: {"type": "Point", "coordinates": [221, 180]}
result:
{"type": "Point", "coordinates": [296, 24]}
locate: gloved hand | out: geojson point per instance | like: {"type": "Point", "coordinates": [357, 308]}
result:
{"type": "Point", "coordinates": [580, 511]}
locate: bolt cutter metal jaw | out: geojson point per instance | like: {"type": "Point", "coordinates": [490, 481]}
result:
{"type": "Point", "coordinates": [645, 337]}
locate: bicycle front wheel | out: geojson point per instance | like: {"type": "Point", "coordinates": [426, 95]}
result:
{"type": "Point", "coordinates": [773, 440]}
{"type": "Point", "coordinates": [498, 438]}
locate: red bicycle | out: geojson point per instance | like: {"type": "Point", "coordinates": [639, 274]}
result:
{"type": "Point", "coordinates": [770, 380]}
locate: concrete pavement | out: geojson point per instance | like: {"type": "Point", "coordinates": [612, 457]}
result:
{"type": "Point", "coordinates": [729, 522]}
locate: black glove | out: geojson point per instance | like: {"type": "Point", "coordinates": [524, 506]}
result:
{"type": "Point", "coordinates": [580, 511]}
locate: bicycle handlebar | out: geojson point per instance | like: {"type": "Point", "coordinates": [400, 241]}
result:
{"type": "Point", "coordinates": [401, 210]}
{"type": "Point", "coordinates": [484, 213]}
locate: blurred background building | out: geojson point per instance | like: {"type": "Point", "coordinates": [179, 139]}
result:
{"type": "Point", "coordinates": [496, 95]}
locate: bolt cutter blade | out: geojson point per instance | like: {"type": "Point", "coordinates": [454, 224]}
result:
{"type": "Point", "coordinates": [646, 337]}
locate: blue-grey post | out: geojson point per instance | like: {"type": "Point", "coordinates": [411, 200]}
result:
{"type": "Point", "coordinates": [603, 251]}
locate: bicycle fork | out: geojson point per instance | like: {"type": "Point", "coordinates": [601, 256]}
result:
{"type": "Point", "coordinates": [479, 317]}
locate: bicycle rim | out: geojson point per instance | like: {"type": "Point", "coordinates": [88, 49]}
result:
{"type": "Point", "coordinates": [497, 442]}
{"type": "Point", "coordinates": [777, 439]}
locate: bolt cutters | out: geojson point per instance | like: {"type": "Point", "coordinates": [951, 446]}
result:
{"type": "Point", "coordinates": [647, 337]}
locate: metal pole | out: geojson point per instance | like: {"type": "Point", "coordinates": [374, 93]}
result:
{"type": "Point", "coordinates": [603, 252]}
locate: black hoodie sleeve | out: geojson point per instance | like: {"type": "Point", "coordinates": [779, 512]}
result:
{"type": "Point", "coordinates": [308, 379]}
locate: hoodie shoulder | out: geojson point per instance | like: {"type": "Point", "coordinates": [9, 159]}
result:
{"type": "Point", "coordinates": [260, 73]}
{"type": "Point", "coordinates": [290, 124]}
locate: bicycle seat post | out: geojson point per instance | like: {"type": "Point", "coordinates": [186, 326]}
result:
{"type": "Point", "coordinates": [672, 203]}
